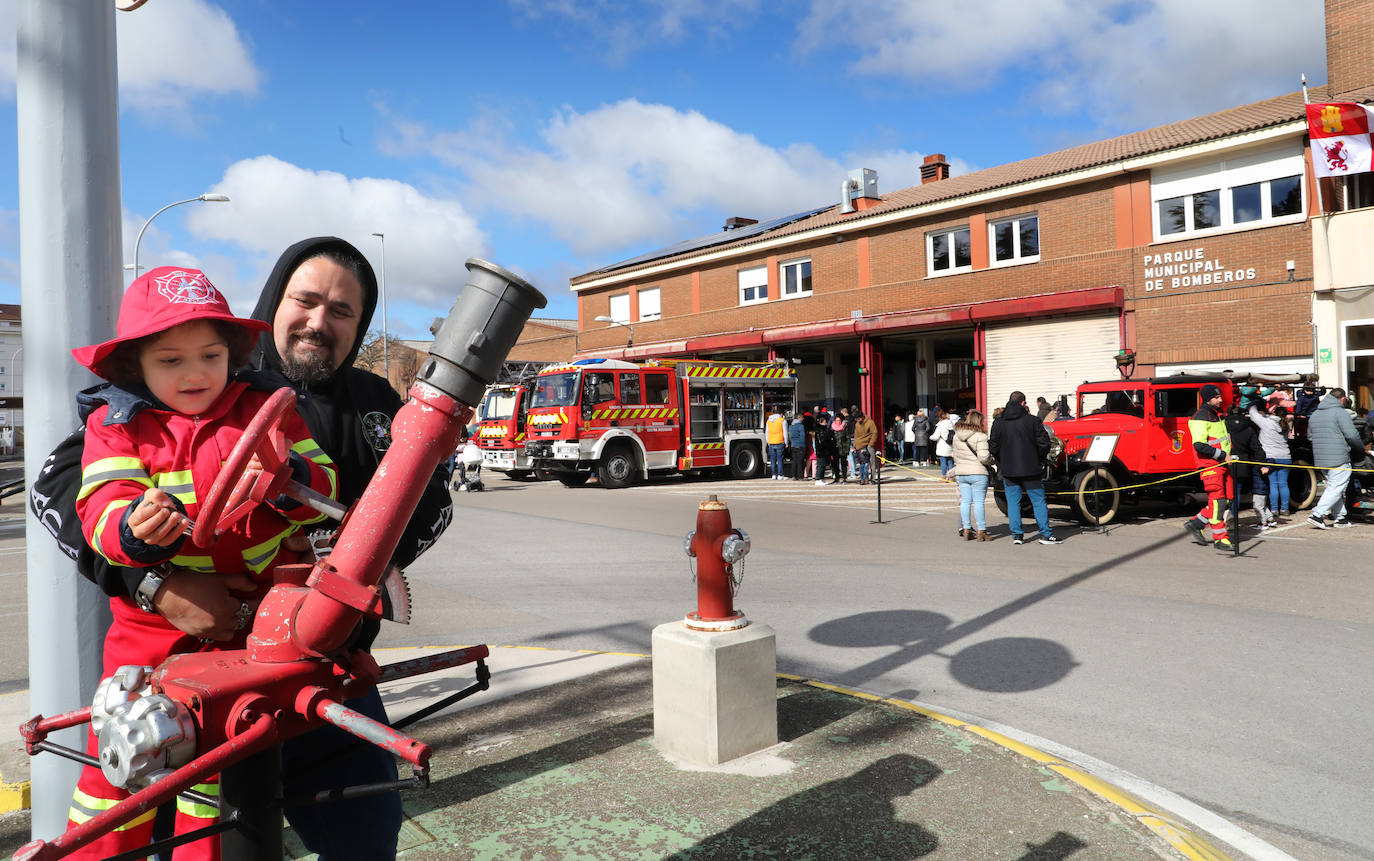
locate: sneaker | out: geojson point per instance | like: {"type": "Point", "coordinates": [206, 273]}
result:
{"type": "Point", "coordinates": [1050, 539]}
{"type": "Point", "coordinates": [820, 482]}
{"type": "Point", "coordinates": [1341, 523]}
{"type": "Point", "coordinates": [1195, 530]}
{"type": "Point", "coordinates": [1316, 521]}
{"type": "Point", "coordinates": [1018, 538]}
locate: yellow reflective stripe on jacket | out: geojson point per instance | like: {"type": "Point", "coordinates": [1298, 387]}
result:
{"type": "Point", "coordinates": [178, 484]}
{"type": "Point", "coordinates": [201, 564]}
{"type": "Point", "coordinates": [187, 807]}
{"type": "Point", "coordinates": [260, 555]}
{"type": "Point", "coordinates": [311, 451]}
{"type": "Point", "coordinates": [112, 469]}
{"type": "Point", "coordinates": [116, 509]}
{"type": "Point", "coordinates": [86, 807]}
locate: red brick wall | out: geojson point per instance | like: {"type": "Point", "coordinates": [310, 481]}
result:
{"type": "Point", "coordinates": [1349, 44]}
{"type": "Point", "coordinates": [1091, 235]}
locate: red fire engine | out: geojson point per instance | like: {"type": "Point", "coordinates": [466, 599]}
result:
{"type": "Point", "coordinates": [623, 420]}
{"type": "Point", "coordinates": [501, 434]}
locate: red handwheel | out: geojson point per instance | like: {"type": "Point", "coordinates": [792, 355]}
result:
{"type": "Point", "coordinates": [237, 492]}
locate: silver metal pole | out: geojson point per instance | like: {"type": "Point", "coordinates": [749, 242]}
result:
{"type": "Point", "coordinates": [70, 255]}
{"type": "Point", "coordinates": [386, 365]}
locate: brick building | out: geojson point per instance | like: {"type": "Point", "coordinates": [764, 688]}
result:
{"type": "Point", "coordinates": [1191, 244]}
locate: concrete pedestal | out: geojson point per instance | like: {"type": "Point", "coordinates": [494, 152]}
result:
{"type": "Point", "coordinates": [715, 693]}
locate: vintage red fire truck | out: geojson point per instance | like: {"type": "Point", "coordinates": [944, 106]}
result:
{"type": "Point", "coordinates": [621, 420]}
{"type": "Point", "coordinates": [1130, 442]}
{"type": "Point", "coordinates": [501, 432]}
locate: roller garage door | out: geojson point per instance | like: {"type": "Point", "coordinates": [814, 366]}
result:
{"type": "Point", "coordinates": [1050, 357]}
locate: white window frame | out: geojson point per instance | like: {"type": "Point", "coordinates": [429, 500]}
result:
{"type": "Point", "coordinates": [624, 315]}
{"type": "Point", "coordinates": [657, 303]}
{"type": "Point", "coordinates": [1017, 258]}
{"type": "Point", "coordinates": [931, 271]}
{"type": "Point", "coordinates": [751, 282]}
{"type": "Point", "coordinates": [782, 279]}
{"type": "Point", "coordinates": [1261, 165]}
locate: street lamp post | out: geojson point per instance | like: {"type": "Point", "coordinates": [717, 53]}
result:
{"type": "Point", "coordinates": [208, 198]}
{"type": "Point", "coordinates": [386, 367]}
{"type": "Point", "coordinates": [602, 318]}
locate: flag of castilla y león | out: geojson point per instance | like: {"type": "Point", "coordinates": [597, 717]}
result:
{"type": "Point", "coordinates": [1340, 138]}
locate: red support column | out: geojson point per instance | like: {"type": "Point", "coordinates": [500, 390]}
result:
{"type": "Point", "coordinates": [980, 377]}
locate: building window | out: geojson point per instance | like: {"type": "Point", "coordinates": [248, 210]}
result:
{"type": "Point", "coordinates": [795, 278]}
{"type": "Point", "coordinates": [753, 285]}
{"type": "Point", "coordinates": [648, 304]}
{"type": "Point", "coordinates": [1015, 240]}
{"type": "Point", "coordinates": [1255, 188]}
{"type": "Point", "coordinates": [1358, 191]}
{"type": "Point", "coordinates": [948, 251]}
{"type": "Point", "coordinates": [620, 308]}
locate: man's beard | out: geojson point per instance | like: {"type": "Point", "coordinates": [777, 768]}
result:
{"type": "Point", "coordinates": [308, 369]}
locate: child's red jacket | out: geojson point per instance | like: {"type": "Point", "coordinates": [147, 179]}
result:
{"type": "Point", "coordinates": [132, 445]}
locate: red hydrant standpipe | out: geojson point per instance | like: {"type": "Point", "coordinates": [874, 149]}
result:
{"type": "Point", "coordinates": [717, 547]}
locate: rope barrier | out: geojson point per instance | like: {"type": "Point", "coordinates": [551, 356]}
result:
{"type": "Point", "coordinates": [1165, 480]}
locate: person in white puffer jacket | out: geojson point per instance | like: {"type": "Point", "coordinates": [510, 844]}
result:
{"type": "Point", "coordinates": [943, 452]}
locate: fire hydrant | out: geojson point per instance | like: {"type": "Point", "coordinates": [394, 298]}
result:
{"type": "Point", "coordinates": [719, 549]}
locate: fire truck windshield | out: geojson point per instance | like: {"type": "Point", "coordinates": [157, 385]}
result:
{"type": "Point", "coordinates": [499, 405]}
{"type": "Point", "coordinates": [555, 390]}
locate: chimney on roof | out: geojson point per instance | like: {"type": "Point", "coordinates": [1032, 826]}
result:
{"type": "Point", "coordinates": [1349, 44]}
{"type": "Point", "coordinates": [934, 168]}
{"type": "Point", "coordinates": [738, 221]}
{"type": "Point", "coordinates": [859, 191]}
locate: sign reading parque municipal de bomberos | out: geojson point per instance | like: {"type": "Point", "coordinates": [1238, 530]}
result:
{"type": "Point", "coordinates": [1191, 267]}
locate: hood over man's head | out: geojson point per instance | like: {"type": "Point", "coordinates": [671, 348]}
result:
{"type": "Point", "coordinates": [319, 300]}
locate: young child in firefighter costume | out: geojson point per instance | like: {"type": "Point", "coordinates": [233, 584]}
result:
{"type": "Point", "coordinates": [1212, 447]}
{"type": "Point", "coordinates": [155, 439]}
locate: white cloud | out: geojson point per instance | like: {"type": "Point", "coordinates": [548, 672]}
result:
{"type": "Point", "coordinates": [169, 53]}
{"type": "Point", "coordinates": [1132, 64]}
{"type": "Point", "coordinates": [632, 172]}
{"type": "Point", "coordinates": [274, 203]}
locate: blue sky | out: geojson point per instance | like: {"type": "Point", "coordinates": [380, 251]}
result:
{"type": "Point", "coordinates": [555, 136]}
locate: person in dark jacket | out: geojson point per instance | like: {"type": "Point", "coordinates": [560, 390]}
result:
{"type": "Point", "coordinates": [796, 443]}
{"type": "Point", "coordinates": [1334, 438]}
{"type": "Point", "coordinates": [1019, 443]}
{"type": "Point", "coordinates": [826, 453]}
{"type": "Point", "coordinates": [319, 299]}
{"type": "Point", "coordinates": [1245, 445]}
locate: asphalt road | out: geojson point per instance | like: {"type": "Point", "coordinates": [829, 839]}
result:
{"type": "Point", "coordinates": [1242, 684]}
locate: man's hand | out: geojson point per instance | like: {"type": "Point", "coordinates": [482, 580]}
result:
{"type": "Point", "coordinates": [155, 519]}
{"type": "Point", "coordinates": [203, 605]}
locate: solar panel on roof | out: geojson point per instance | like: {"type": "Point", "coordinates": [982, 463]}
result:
{"type": "Point", "coordinates": [712, 239]}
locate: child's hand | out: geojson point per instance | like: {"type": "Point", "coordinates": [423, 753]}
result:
{"type": "Point", "coordinates": [156, 521]}
{"type": "Point", "coordinates": [254, 466]}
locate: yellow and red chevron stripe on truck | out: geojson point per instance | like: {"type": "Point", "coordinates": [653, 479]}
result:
{"type": "Point", "coordinates": [542, 419]}
{"type": "Point", "coordinates": [492, 431]}
{"type": "Point", "coordinates": [740, 373]}
{"type": "Point", "coordinates": [636, 413]}
{"type": "Point", "coordinates": [702, 447]}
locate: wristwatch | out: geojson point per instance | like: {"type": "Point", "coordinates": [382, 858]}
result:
{"type": "Point", "coordinates": [148, 586]}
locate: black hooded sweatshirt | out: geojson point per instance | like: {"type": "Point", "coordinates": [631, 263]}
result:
{"type": "Point", "coordinates": [1018, 441]}
{"type": "Point", "coordinates": [350, 413]}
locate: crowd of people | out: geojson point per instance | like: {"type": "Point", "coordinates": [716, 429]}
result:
{"type": "Point", "coordinates": [967, 449]}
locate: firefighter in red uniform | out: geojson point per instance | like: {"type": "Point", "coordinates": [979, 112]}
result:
{"type": "Point", "coordinates": [1212, 446]}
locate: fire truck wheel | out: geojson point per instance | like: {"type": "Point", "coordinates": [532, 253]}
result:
{"type": "Point", "coordinates": [1302, 485]}
{"type": "Point", "coordinates": [617, 467]}
{"type": "Point", "coordinates": [573, 479]}
{"type": "Point", "coordinates": [745, 461]}
{"type": "Point", "coordinates": [517, 474]}
{"type": "Point", "coordinates": [1096, 497]}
